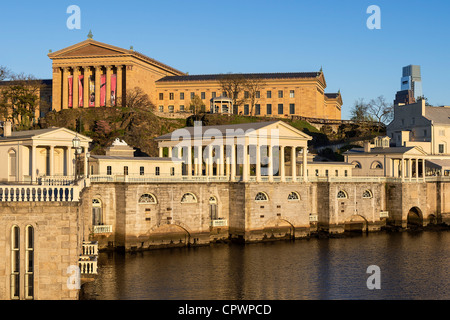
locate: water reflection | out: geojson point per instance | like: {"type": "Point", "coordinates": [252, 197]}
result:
{"type": "Point", "coordinates": [413, 266]}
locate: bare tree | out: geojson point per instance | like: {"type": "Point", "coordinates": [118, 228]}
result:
{"type": "Point", "coordinates": [5, 73]}
{"type": "Point", "coordinates": [196, 105]}
{"type": "Point", "coordinates": [359, 111]}
{"type": "Point", "coordinates": [253, 86]}
{"type": "Point", "coordinates": [380, 110]}
{"type": "Point", "coordinates": [233, 84]}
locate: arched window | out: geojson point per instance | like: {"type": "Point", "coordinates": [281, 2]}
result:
{"type": "Point", "coordinates": [29, 262]}
{"type": "Point", "coordinates": [293, 196]}
{"type": "Point", "coordinates": [356, 165]}
{"type": "Point", "coordinates": [367, 194]}
{"type": "Point", "coordinates": [188, 198]}
{"type": "Point", "coordinates": [15, 262]}
{"type": "Point", "coordinates": [376, 165]}
{"type": "Point", "coordinates": [261, 196]}
{"type": "Point", "coordinates": [97, 215]}
{"type": "Point", "coordinates": [342, 195]}
{"type": "Point", "coordinates": [213, 208]}
{"type": "Point", "coordinates": [147, 198]}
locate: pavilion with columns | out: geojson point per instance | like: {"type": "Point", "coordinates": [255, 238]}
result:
{"type": "Point", "coordinates": [260, 151]}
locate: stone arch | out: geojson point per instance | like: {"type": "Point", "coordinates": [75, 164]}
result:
{"type": "Point", "coordinates": [414, 218]}
{"type": "Point", "coordinates": [261, 196]}
{"type": "Point", "coordinates": [147, 198]}
{"type": "Point", "coordinates": [356, 223]}
{"type": "Point", "coordinates": [277, 228]}
{"type": "Point", "coordinates": [169, 234]}
{"type": "Point", "coordinates": [356, 164]}
{"type": "Point", "coordinates": [376, 165]}
{"type": "Point", "coordinates": [189, 197]}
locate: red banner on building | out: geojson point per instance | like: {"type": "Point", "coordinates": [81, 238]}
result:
{"type": "Point", "coordinates": [70, 78]}
{"type": "Point", "coordinates": [80, 90]}
{"type": "Point", "coordinates": [113, 89]}
{"type": "Point", "coordinates": [103, 90]}
{"type": "Point", "coordinates": [91, 91]}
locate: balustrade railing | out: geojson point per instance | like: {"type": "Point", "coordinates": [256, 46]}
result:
{"type": "Point", "coordinates": [88, 259]}
{"type": "Point", "coordinates": [102, 229]}
{"type": "Point", "coordinates": [22, 193]}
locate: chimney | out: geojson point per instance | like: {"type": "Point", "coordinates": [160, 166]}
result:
{"type": "Point", "coordinates": [367, 146]}
{"type": "Point", "coordinates": [7, 128]}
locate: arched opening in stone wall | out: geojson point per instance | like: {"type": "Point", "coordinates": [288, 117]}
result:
{"type": "Point", "coordinates": [414, 218]}
{"type": "Point", "coordinates": [169, 235]}
{"type": "Point", "coordinates": [279, 229]}
{"type": "Point", "coordinates": [356, 223]}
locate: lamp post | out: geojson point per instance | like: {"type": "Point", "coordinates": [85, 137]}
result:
{"type": "Point", "coordinates": [76, 145]}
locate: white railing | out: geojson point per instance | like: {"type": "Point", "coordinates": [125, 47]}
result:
{"type": "Point", "coordinates": [102, 229]}
{"type": "Point", "coordinates": [219, 223]}
{"type": "Point", "coordinates": [34, 193]}
{"type": "Point", "coordinates": [90, 248]}
{"type": "Point", "coordinates": [56, 180]}
{"type": "Point", "coordinates": [88, 264]}
{"type": "Point", "coordinates": [313, 218]}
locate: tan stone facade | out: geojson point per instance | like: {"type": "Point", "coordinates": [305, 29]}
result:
{"type": "Point", "coordinates": [102, 71]}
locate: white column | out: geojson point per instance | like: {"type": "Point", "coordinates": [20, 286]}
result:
{"type": "Point", "coordinates": [85, 149]}
{"type": "Point", "coordinates": [423, 169]}
{"type": "Point", "coordinates": [222, 161]}
{"type": "Point", "coordinates": [245, 163]}
{"type": "Point", "coordinates": [52, 161]}
{"type": "Point", "coordinates": [161, 152]}
{"type": "Point", "coordinates": [199, 160]}
{"type": "Point", "coordinates": [189, 160]}
{"type": "Point", "coordinates": [293, 164]}
{"type": "Point", "coordinates": [258, 163]}
{"type": "Point", "coordinates": [233, 162]}
{"type": "Point", "coordinates": [410, 169]}
{"type": "Point", "coordinates": [270, 162]}
{"type": "Point", "coordinates": [69, 162]}
{"type": "Point", "coordinates": [282, 167]}
{"type": "Point", "coordinates": [33, 164]}
{"type": "Point", "coordinates": [403, 168]}
{"type": "Point", "coordinates": [417, 169]}
{"type": "Point", "coordinates": [305, 164]}
{"type": "Point", "coordinates": [210, 171]}
{"type": "Point", "coordinates": [170, 152]}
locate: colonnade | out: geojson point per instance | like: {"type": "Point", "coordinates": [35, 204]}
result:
{"type": "Point", "coordinates": [408, 168]}
{"type": "Point", "coordinates": [249, 162]}
{"type": "Point", "coordinates": [87, 86]}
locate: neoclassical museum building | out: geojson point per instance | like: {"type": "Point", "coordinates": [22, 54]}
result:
{"type": "Point", "coordinates": [95, 74]}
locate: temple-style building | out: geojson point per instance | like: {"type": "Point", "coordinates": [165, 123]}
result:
{"type": "Point", "coordinates": [95, 74]}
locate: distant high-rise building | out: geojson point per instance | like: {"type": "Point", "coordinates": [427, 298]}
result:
{"type": "Point", "coordinates": [412, 80]}
{"type": "Point", "coordinates": [411, 86]}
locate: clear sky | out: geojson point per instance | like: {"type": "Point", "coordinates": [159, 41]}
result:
{"type": "Point", "coordinates": [202, 37]}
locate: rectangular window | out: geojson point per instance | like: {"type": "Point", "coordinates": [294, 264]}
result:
{"type": "Point", "coordinates": [172, 171]}
{"type": "Point", "coordinates": [171, 109]}
{"type": "Point", "coordinates": [29, 263]}
{"type": "Point", "coordinates": [213, 94]}
{"type": "Point", "coordinates": [157, 171]}
{"type": "Point", "coordinates": [246, 94]}
{"type": "Point", "coordinates": [257, 94]}
{"type": "Point", "coordinates": [141, 171]}
{"type": "Point", "coordinates": [171, 96]}
{"type": "Point", "coordinates": [181, 95]}
{"type": "Point", "coordinates": [269, 94]}
{"type": "Point", "coordinates": [161, 96]}
{"type": "Point", "coordinates": [291, 94]}
{"type": "Point", "coordinates": [161, 108]}
{"type": "Point", "coordinates": [280, 93]}
{"type": "Point", "coordinates": [346, 173]}
{"type": "Point", "coordinates": [246, 109]}
{"type": "Point", "coordinates": [15, 263]}
{"type": "Point", "coordinates": [292, 108]}
{"type": "Point", "coordinates": [257, 109]}
{"type": "Point", "coordinates": [108, 170]}
{"type": "Point", "coordinates": [326, 173]}
{"type": "Point", "coordinates": [280, 108]}
{"type": "Point", "coordinates": [269, 109]}
{"type": "Point", "coordinates": [181, 108]}
{"type": "Point", "coordinates": [336, 173]}
{"type": "Point", "coordinates": [441, 148]}
{"type": "Point", "coordinates": [125, 170]}
{"type": "Point", "coordinates": [192, 95]}
{"type": "Point", "coordinates": [203, 95]}
{"type": "Point", "coordinates": [424, 133]}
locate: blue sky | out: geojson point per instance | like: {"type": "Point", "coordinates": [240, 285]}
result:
{"type": "Point", "coordinates": [202, 37]}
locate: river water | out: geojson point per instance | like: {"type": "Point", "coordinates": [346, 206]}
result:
{"type": "Point", "coordinates": [412, 265]}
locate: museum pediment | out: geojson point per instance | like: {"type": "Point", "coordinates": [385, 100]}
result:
{"type": "Point", "coordinates": [88, 48]}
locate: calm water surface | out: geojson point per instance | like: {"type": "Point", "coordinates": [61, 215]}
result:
{"type": "Point", "coordinates": [413, 266]}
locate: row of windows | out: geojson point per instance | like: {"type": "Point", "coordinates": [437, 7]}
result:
{"type": "Point", "coordinates": [16, 286]}
{"type": "Point", "coordinates": [367, 194]}
{"type": "Point", "coordinates": [214, 94]}
{"type": "Point", "coordinates": [141, 171]}
{"type": "Point", "coordinates": [269, 109]}
{"type": "Point", "coordinates": [374, 165]}
{"type": "Point", "coordinates": [262, 196]}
